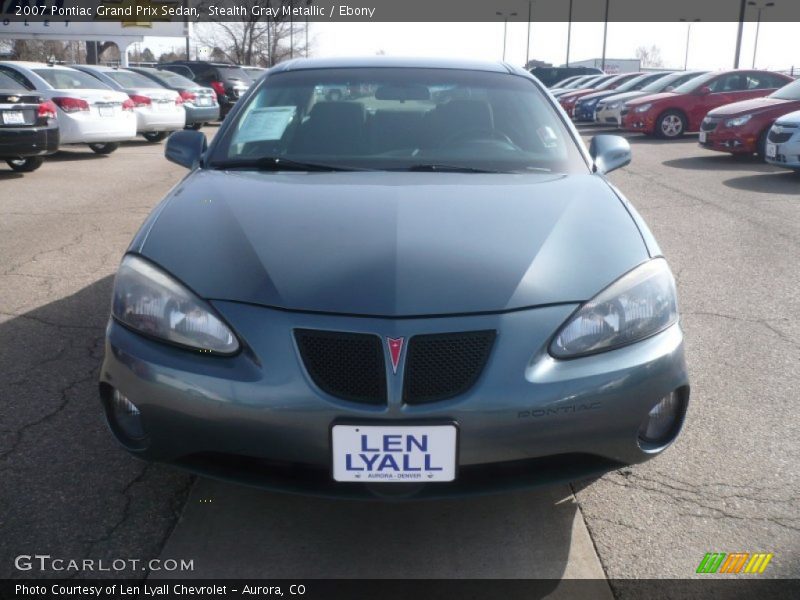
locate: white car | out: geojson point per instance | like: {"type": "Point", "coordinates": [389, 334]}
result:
{"type": "Point", "coordinates": [89, 112]}
{"type": "Point", "coordinates": [159, 111]}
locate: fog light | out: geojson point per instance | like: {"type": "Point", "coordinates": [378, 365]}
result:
{"type": "Point", "coordinates": [126, 416]}
{"type": "Point", "coordinates": [660, 424]}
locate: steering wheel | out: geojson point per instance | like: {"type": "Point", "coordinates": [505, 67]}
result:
{"type": "Point", "coordinates": [477, 133]}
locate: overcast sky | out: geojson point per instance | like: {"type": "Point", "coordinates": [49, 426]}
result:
{"type": "Point", "coordinates": [712, 45]}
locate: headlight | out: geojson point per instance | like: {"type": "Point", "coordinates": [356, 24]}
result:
{"type": "Point", "coordinates": [643, 108]}
{"type": "Point", "coordinates": [738, 121]}
{"type": "Point", "coordinates": [614, 105]}
{"type": "Point", "coordinates": [150, 301]}
{"type": "Point", "coordinates": [639, 304]}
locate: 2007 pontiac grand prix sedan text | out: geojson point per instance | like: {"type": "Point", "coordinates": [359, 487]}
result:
{"type": "Point", "coordinates": [424, 287]}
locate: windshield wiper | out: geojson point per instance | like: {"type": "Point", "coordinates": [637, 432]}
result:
{"type": "Point", "coordinates": [277, 163]}
{"type": "Point", "coordinates": [433, 167]}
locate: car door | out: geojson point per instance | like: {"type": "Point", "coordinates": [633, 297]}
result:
{"type": "Point", "coordinates": [722, 91]}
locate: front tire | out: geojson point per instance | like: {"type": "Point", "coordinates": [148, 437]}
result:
{"type": "Point", "coordinates": [670, 125]}
{"type": "Point", "coordinates": [25, 165]}
{"type": "Point", "coordinates": [155, 136]}
{"type": "Point", "coordinates": [105, 148]}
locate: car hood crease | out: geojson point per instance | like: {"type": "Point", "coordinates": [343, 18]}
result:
{"type": "Point", "coordinates": [394, 244]}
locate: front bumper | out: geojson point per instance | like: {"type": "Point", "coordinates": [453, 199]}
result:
{"type": "Point", "coordinates": [584, 113]}
{"type": "Point", "coordinates": [787, 153]}
{"type": "Point", "coordinates": [257, 417]}
{"type": "Point", "coordinates": [22, 142]}
{"type": "Point", "coordinates": [638, 122]}
{"type": "Point", "coordinates": [714, 135]}
{"type": "Point", "coordinates": [608, 116]}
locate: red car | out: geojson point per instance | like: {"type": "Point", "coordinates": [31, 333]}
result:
{"type": "Point", "coordinates": [742, 127]}
{"type": "Point", "coordinates": [569, 99]}
{"type": "Point", "coordinates": [671, 114]}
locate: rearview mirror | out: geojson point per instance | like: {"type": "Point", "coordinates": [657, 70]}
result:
{"type": "Point", "coordinates": [185, 148]}
{"type": "Point", "coordinates": [609, 152]}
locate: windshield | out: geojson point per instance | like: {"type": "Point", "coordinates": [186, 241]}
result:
{"type": "Point", "coordinates": [788, 92]}
{"type": "Point", "coordinates": [6, 83]}
{"type": "Point", "coordinates": [63, 79]}
{"type": "Point", "coordinates": [129, 79]}
{"type": "Point", "coordinates": [173, 79]}
{"type": "Point", "coordinates": [673, 79]}
{"type": "Point", "coordinates": [638, 83]}
{"type": "Point", "coordinates": [400, 118]}
{"type": "Point", "coordinates": [565, 81]}
{"type": "Point", "coordinates": [695, 83]}
{"type": "Point", "coordinates": [234, 73]}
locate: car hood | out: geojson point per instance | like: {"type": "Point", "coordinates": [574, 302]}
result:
{"type": "Point", "coordinates": [752, 105]}
{"type": "Point", "coordinates": [624, 96]}
{"type": "Point", "coordinates": [790, 119]}
{"type": "Point", "coordinates": [652, 98]}
{"type": "Point", "coordinates": [391, 243]}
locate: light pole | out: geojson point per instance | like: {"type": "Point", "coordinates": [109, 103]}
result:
{"type": "Point", "coordinates": [688, 33]}
{"type": "Point", "coordinates": [308, 3]}
{"type": "Point", "coordinates": [605, 35]}
{"type": "Point", "coordinates": [569, 29]}
{"type": "Point", "coordinates": [759, 7]}
{"type": "Point", "coordinates": [505, 28]}
{"type": "Point", "coordinates": [528, 45]}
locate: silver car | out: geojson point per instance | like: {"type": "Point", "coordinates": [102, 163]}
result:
{"type": "Point", "coordinates": [159, 110]}
{"type": "Point", "coordinates": [783, 142]}
{"type": "Point", "coordinates": [400, 294]}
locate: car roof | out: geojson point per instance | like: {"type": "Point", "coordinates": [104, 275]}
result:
{"type": "Point", "coordinates": [397, 62]}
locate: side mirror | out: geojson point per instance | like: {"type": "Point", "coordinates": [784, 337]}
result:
{"type": "Point", "coordinates": [609, 152]}
{"type": "Point", "coordinates": [704, 91]}
{"type": "Point", "coordinates": [185, 148]}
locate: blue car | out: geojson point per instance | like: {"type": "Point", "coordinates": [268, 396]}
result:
{"type": "Point", "coordinates": [425, 289]}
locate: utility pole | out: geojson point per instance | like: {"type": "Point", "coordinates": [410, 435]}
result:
{"type": "Point", "coordinates": [688, 33]}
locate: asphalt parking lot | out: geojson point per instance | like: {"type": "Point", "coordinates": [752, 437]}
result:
{"type": "Point", "coordinates": [731, 231]}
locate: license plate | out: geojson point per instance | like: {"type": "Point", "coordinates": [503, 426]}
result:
{"type": "Point", "coordinates": [13, 117]}
{"type": "Point", "coordinates": [394, 454]}
{"type": "Point", "coordinates": [703, 136]}
{"type": "Point", "coordinates": [772, 150]}
{"type": "Point", "coordinates": [106, 111]}
{"type": "Point", "coordinates": [203, 101]}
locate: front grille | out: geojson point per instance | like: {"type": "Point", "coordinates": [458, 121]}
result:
{"type": "Point", "coordinates": [442, 366]}
{"type": "Point", "coordinates": [349, 366]}
{"type": "Point", "coordinates": [780, 138]}
{"type": "Point", "coordinates": [709, 125]}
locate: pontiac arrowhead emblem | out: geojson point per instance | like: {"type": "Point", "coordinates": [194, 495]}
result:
{"type": "Point", "coordinates": [395, 350]}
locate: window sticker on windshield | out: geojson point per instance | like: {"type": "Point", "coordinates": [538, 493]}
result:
{"type": "Point", "coordinates": [264, 124]}
{"type": "Point", "coordinates": [548, 136]}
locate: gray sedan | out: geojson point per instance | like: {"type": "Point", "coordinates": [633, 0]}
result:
{"type": "Point", "coordinates": [429, 289]}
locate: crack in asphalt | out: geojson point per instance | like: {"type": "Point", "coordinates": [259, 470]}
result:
{"type": "Point", "coordinates": [627, 478]}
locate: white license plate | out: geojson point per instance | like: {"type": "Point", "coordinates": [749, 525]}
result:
{"type": "Point", "coordinates": [160, 106]}
{"type": "Point", "coordinates": [394, 454]}
{"type": "Point", "coordinates": [13, 117]}
{"type": "Point", "coordinates": [106, 111]}
{"type": "Point", "coordinates": [772, 150]}
{"type": "Point", "coordinates": [203, 101]}
{"type": "Point", "coordinates": [703, 136]}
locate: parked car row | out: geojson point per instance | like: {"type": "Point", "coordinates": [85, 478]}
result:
{"type": "Point", "coordinates": [45, 106]}
{"type": "Point", "coordinates": [745, 111]}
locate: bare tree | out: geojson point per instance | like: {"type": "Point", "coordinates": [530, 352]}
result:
{"type": "Point", "coordinates": [257, 40]}
{"type": "Point", "coordinates": [650, 57]}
